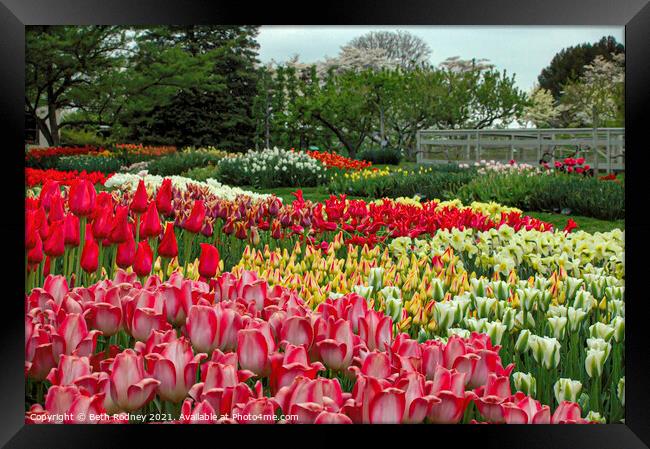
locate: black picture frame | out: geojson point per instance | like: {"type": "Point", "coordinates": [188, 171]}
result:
{"type": "Point", "coordinates": [633, 14]}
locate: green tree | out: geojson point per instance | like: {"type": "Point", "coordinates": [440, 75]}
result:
{"type": "Point", "coordinates": [63, 66]}
{"type": "Point", "coordinates": [217, 111]}
{"type": "Point", "coordinates": [569, 64]}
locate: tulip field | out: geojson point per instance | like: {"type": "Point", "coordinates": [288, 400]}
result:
{"type": "Point", "coordinates": [162, 298]}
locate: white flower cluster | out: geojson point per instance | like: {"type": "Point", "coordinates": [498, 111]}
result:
{"type": "Point", "coordinates": [129, 181]}
{"type": "Point", "coordinates": [484, 167]}
{"type": "Point", "coordinates": [278, 160]}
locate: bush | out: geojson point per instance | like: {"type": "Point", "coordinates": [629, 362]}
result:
{"type": "Point", "coordinates": [202, 173]}
{"type": "Point", "coordinates": [89, 163]}
{"type": "Point", "coordinates": [559, 193]}
{"type": "Point", "coordinates": [428, 183]}
{"type": "Point", "coordinates": [387, 156]}
{"type": "Point", "coordinates": [177, 163]}
{"type": "Point", "coordinates": [272, 168]}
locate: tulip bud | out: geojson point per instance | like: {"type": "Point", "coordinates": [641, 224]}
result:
{"type": "Point", "coordinates": [601, 330]}
{"type": "Point", "coordinates": [546, 350]}
{"type": "Point", "coordinates": [484, 306]}
{"type": "Point", "coordinates": [528, 297]}
{"type": "Point", "coordinates": [567, 390]}
{"type": "Point", "coordinates": [362, 290]}
{"type": "Point", "coordinates": [521, 345]}
{"type": "Point", "coordinates": [209, 261]}
{"type": "Point", "coordinates": [575, 318]}
{"type": "Point", "coordinates": [444, 314]}
{"type": "Point", "coordinates": [621, 390]}
{"type": "Point", "coordinates": [81, 198]}
{"type": "Point", "coordinates": [437, 289]}
{"type": "Point", "coordinates": [495, 330]}
{"type": "Point", "coordinates": [150, 224]}
{"type": "Point", "coordinates": [501, 290]}
{"type": "Point", "coordinates": [394, 308]}
{"type": "Point", "coordinates": [573, 285]}
{"type": "Point", "coordinates": [140, 199]}
{"type": "Point", "coordinates": [584, 300]}
{"type": "Point", "coordinates": [558, 326]}
{"type": "Point", "coordinates": [126, 253]}
{"type": "Point", "coordinates": [143, 259]}
{"type": "Point", "coordinates": [508, 318]}
{"type": "Point", "coordinates": [594, 362]}
{"type": "Point", "coordinates": [599, 344]}
{"type": "Point", "coordinates": [194, 222]}
{"type": "Point", "coordinates": [164, 197]}
{"type": "Point", "coordinates": [90, 256]}
{"type": "Point", "coordinates": [526, 383]}
{"type": "Point", "coordinates": [375, 278]}
{"type": "Point", "coordinates": [459, 332]}
{"type": "Point", "coordinates": [35, 254]}
{"type": "Point", "coordinates": [619, 328]}
{"type": "Point", "coordinates": [479, 286]}
{"type": "Point", "coordinates": [168, 247]}
{"type": "Point", "coordinates": [54, 245]}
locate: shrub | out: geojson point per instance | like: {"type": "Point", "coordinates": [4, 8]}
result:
{"type": "Point", "coordinates": [387, 156]}
{"type": "Point", "coordinates": [272, 168]}
{"type": "Point", "coordinates": [177, 163]}
{"type": "Point", "coordinates": [561, 193]}
{"type": "Point", "coordinates": [89, 163]}
{"type": "Point", "coordinates": [428, 183]}
{"type": "Point", "coordinates": [202, 173]}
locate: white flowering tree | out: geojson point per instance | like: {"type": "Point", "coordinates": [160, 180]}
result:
{"type": "Point", "coordinates": [541, 110]}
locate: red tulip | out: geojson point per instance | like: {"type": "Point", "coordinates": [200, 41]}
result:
{"type": "Point", "coordinates": [143, 259]}
{"type": "Point", "coordinates": [71, 230]}
{"type": "Point", "coordinates": [126, 252]}
{"type": "Point", "coordinates": [150, 224]}
{"type": "Point", "coordinates": [103, 222]}
{"type": "Point", "coordinates": [35, 254]}
{"type": "Point", "coordinates": [164, 197]}
{"type": "Point", "coordinates": [209, 261]}
{"type": "Point", "coordinates": [31, 228]}
{"type": "Point", "coordinates": [140, 199]}
{"type": "Point", "coordinates": [194, 222]}
{"type": "Point", "coordinates": [55, 243]}
{"type": "Point", "coordinates": [121, 231]}
{"type": "Point", "coordinates": [252, 351]}
{"type": "Point", "coordinates": [48, 191]}
{"type": "Point", "coordinates": [56, 209]}
{"type": "Point", "coordinates": [90, 256]}
{"type": "Point", "coordinates": [81, 198]}
{"type": "Point", "coordinates": [168, 247]}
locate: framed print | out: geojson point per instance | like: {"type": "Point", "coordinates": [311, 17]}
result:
{"type": "Point", "coordinates": [383, 218]}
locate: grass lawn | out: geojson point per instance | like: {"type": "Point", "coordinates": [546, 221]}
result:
{"type": "Point", "coordinates": [587, 224]}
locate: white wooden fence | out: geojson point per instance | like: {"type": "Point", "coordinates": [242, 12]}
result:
{"type": "Point", "coordinates": [602, 148]}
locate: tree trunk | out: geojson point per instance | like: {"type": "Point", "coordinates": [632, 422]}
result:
{"type": "Point", "coordinates": [352, 150]}
{"type": "Point", "coordinates": [51, 111]}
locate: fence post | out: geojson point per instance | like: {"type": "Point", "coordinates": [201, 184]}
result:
{"type": "Point", "coordinates": [595, 150]}
{"type": "Point", "coordinates": [418, 154]}
{"type": "Point", "coordinates": [478, 145]}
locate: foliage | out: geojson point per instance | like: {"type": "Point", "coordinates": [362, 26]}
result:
{"type": "Point", "coordinates": [541, 111]}
{"type": "Point", "coordinates": [177, 163]}
{"type": "Point", "coordinates": [202, 173]}
{"type": "Point", "coordinates": [217, 111]}
{"type": "Point", "coordinates": [380, 156]}
{"type": "Point", "coordinates": [597, 98]}
{"type": "Point", "coordinates": [89, 163]}
{"type": "Point", "coordinates": [427, 183]}
{"type": "Point", "coordinates": [569, 64]}
{"type": "Point", "coordinates": [586, 196]}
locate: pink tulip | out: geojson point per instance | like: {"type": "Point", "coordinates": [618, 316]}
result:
{"type": "Point", "coordinates": [175, 366]}
{"type": "Point", "coordinates": [66, 404]}
{"type": "Point", "coordinates": [105, 317]}
{"type": "Point", "coordinates": [69, 370]}
{"type": "Point", "coordinates": [376, 330]}
{"type": "Point", "coordinates": [293, 362]}
{"type": "Point", "coordinates": [73, 338]}
{"type": "Point", "coordinates": [130, 388]}
{"type": "Point", "coordinates": [211, 327]}
{"type": "Point", "coordinates": [253, 351]}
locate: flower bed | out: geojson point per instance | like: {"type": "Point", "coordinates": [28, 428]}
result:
{"type": "Point", "coordinates": [341, 311]}
{"type": "Point", "coordinates": [35, 177]}
{"type": "Point", "coordinates": [334, 160]}
{"type": "Point", "coordinates": [272, 168]}
{"type": "Point", "coordinates": [108, 349]}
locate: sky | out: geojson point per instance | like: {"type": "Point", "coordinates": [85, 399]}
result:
{"type": "Point", "coordinates": [524, 51]}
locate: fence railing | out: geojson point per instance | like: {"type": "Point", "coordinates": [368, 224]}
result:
{"type": "Point", "coordinates": [602, 148]}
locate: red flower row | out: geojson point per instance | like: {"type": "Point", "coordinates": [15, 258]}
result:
{"type": "Point", "coordinates": [34, 177]}
{"type": "Point", "coordinates": [334, 160]}
{"type": "Point", "coordinates": [43, 153]}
